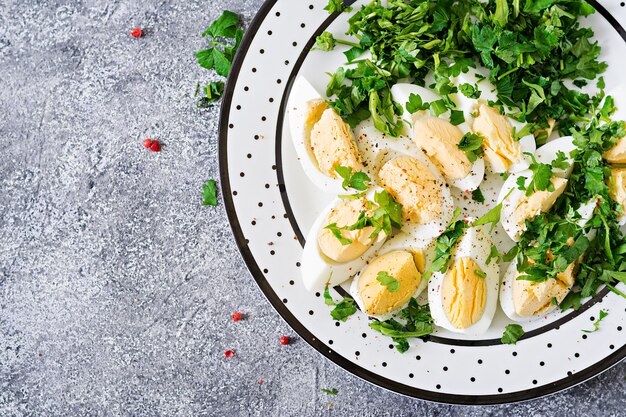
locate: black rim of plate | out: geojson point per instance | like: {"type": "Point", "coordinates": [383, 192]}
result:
{"type": "Point", "coordinates": [346, 364]}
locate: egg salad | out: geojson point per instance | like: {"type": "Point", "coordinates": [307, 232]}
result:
{"type": "Point", "coordinates": [464, 158]}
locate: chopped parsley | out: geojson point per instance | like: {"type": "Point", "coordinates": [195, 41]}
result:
{"type": "Point", "coordinates": [343, 309]}
{"type": "Point", "coordinates": [478, 196]}
{"type": "Point", "coordinates": [327, 42]}
{"type": "Point", "coordinates": [512, 334]}
{"type": "Point", "coordinates": [471, 144]}
{"type": "Point", "coordinates": [209, 193]}
{"type": "Point", "coordinates": [416, 104]}
{"type": "Point", "coordinates": [335, 6]}
{"type": "Point", "coordinates": [457, 117]}
{"type": "Point", "coordinates": [542, 173]}
{"type": "Point", "coordinates": [596, 324]}
{"type": "Point", "coordinates": [417, 323]}
{"type": "Point", "coordinates": [529, 48]}
{"type": "Point", "coordinates": [332, 391]}
{"type": "Point", "coordinates": [492, 216]}
{"type": "Point", "coordinates": [444, 244]}
{"type": "Point", "coordinates": [356, 180]}
{"type": "Point", "coordinates": [392, 284]}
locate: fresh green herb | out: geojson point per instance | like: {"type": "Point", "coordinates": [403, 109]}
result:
{"type": "Point", "coordinates": [561, 161]}
{"type": "Point", "coordinates": [512, 334]}
{"type": "Point", "coordinates": [493, 254]}
{"type": "Point", "coordinates": [444, 244]}
{"type": "Point", "coordinates": [327, 42]}
{"type": "Point", "coordinates": [352, 179]}
{"type": "Point", "coordinates": [457, 117]}
{"type": "Point", "coordinates": [335, 6]}
{"type": "Point", "coordinates": [220, 54]}
{"type": "Point", "coordinates": [417, 322]}
{"type": "Point", "coordinates": [392, 284]}
{"type": "Point", "coordinates": [209, 193]}
{"type": "Point", "coordinates": [352, 196]}
{"type": "Point", "coordinates": [212, 93]}
{"type": "Point", "coordinates": [521, 183]}
{"type": "Point", "coordinates": [471, 144]}
{"type": "Point", "coordinates": [416, 104]}
{"type": "Point", "coordinates": [478, 196]}
{"type": "Point", "coordinates": [480, 273]}
{"type": "Point", "coordinates": [336, 231]}
{"type": "Point", "coordinates": [542, 173]}
{"type": "Point", "coordinates": [343, 309]}
{"type": "Point", "coordinates": [596, 324]}
{"type": "Point", "coordinates": [469, 91]}
{"type": "Point", "coordinates": [492, 216]}
{"type": "Point", "coordinates": [332, 391]}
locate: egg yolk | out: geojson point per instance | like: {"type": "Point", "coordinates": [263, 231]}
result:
{"type": "Point", "coordinates": [501, 150]}
{"type": "Point", "coordinates": [331, 141]}
{"type": "Point", "coordinates": [377, 298]}
{"type": "Point", "coordinates": [346, 213]}
{"type": "Point", "coordinates": [617, 186]}
{"type": "Point", "coordinates": [617, 154]}
{"type": "Point", "coordinates": [439, 139]}
{"type": "Point", "coordinates": [411, 184]}
{"type": "Point", "coordinates": [532, 298]}
{"type": "Point", "coordinates": [464, 293]}
{"type": "Point", "coordinates": [540, 201]}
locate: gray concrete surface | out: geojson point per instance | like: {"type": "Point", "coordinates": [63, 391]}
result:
{"type": "Point", "coordinates": [116, 286]}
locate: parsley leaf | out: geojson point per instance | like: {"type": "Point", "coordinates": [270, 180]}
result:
{"type": "Point", "coordinates": [417, 323]}
{"type": "Point", "coordinates": [209, 193]}
{"type": "Point", "coordinates": [444, 244]}
{"type": "Point", "coordinates": [336, 231]}
{"type": "Point", "coordinates": [512, 334]}
{"type": "Point", "coordinates": [325, 42]}
{"type": "Point", "coordinates": [225, 26]}
{"type": "Point", "coordinates": [416, 104]}
{"type": "Point", "coordinates": [392, 284]}
{"type": "Point", "coordinates": [596, 324]}
{"type": "Point", "coordinates": [469, 91]}
{"type": "Point", "coordinates": [471, 144]}
{"type": "Point", "coordinates": [335, 6]}
{"type": "Point", "coordinates": [542, 173]}
{"type": "Point", "coordinates": [456, 117]}
{"type": "Point", "coordinates": [212, 93]}
{"type": "Point", "coordinates": [354, 180]}
{"type": "Point", "coordinates": [343, 309]}
{"type": "Point", "coordinates": [478, 196]}
{"type": "Point", "coordinates": [332, 391]}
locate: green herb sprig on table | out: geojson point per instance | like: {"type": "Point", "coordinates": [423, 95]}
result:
{"type": "Point", "coordinates": [224, 37]}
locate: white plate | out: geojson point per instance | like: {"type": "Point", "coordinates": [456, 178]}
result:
{"type": "Point", "coordinates": [271, 206]}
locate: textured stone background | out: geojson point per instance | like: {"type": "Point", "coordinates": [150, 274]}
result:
{"type": "Point", "coordinates": [116, 286]}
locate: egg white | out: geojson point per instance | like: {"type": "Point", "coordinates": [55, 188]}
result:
{"type": "Point", "coordinates": [301, 93]}
{"type": "Point", "coordinates": [401, 93]}
{"type": "Point", "coordinates": [476, 244]}
{"type": "Point", "coordinates": [318, 269]}
{"type": "Point", "coordinates": [547, 153]}
{"type": "Point", "coordinates": [487, 92]}
{"type": "Point", "coordinates": [401, 241]}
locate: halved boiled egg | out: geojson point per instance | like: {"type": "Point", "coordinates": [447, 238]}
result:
{"type": "Point", "coordinates": [427, 206]}
{"type": "Point", "coordinates": [438, 138]}
{"type": "Point", "coordinates": [327, 258]}
{"type": "Point", "coordinates": [322, 139]}
{"type": "Point", "coordinates": [523, 300]}
{"type": "Point", "coordinates": [517, 207]}
{"type": "Point", "coordinates": [502, 151]}
{"type": "Point", "coordinates": [393, 277]}
{"type": "Point", "coordinates": [463, 299]}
